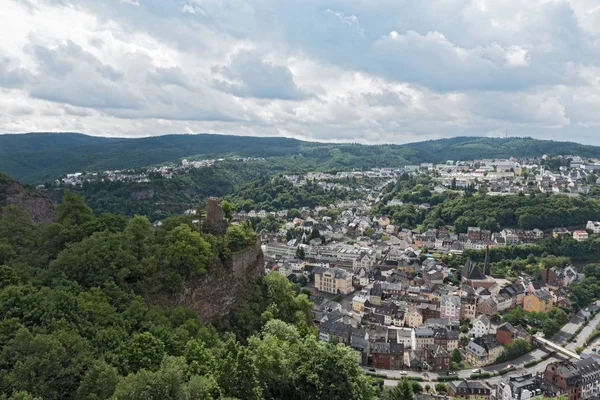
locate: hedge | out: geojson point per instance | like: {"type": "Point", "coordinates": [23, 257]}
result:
{"type": "Point", "coordinates": [447, 378]}
{"type": "Point", "coordinates": [480, 376]}
{"type": "Point", "coordinates": [506, 370]}
{"type": "Point", "coordinates": [530, 363]}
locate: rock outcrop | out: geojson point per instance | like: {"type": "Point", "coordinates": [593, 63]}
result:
{"type": "Point", "coordinates": [39, 207]}
{"type": "Point", "coordinates": [221, 288]}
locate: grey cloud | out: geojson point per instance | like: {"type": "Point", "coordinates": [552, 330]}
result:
{"type": "Point", "coordinates": [12, 75]}
{"type": "Point", "coordinates": [249, 76]}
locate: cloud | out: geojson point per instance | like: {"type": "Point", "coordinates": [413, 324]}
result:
{"type": "Point", "coordinates": [247, 75]}
{"type": "Point", "coordinates": [331, 70]}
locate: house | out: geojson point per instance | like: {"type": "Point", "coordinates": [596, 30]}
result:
{"type": "Point", "coordinates": [563, 378]}
{"type": "Point", "coordinates": [359, 342]}
{"type": "Point", "coordinates": [520, 386]}
{"type": "Point", "coordinates": [487, 306]}
{"type": "Point", "coordinates": [468, 307]}
{"type": "Point", "coordinates": [469, 389]}
{"type": "Point", "coordinates": [580, 235]}
{"type": "Point", "coordinates": [437, 358]}
{"type": "Point", "coordinates": [358, 303]}
{"type": "Point", "coordinates": [376, 294]}
{"type": "Point", "coordinates": [593, 226]}
{"type": "Point", "coordinates": [422, 337]}
{"type": "Point", "coordinates": [450, 307]}
{"type": "Point", "coordinates": [481, 326]}
{"type": "Point", "coordinates": [538, 301]}
{"type": "Point", "coordinates": [380, 354]}
{"type": "Point", "coordinates": [506, 333]}
{"type": "Point", "coordinates": [483, 350]}
{"type": "Point", "coordinates": [333, 280]}
{"type": "Point", "coordinates": [413, 318]}
{"type": "Point", "coordinates": [557, 232]}
{"type": "Point", "coordinates": [446, 338]}
{"type": "Point", "coordinates": [396, 356]}
{"type": "Point", "coordinates": [365, 260]}
{"type": "Point", "coordinates": [335, 330]}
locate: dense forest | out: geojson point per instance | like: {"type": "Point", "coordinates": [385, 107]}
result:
{"type": "Point", "coordinates": [75, 324]}
{"type": "Point", "coordinates": [40, 157]}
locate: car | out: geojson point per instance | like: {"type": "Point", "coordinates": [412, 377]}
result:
{"type": "Point", "coordinates": [587, 309]}
{"type": "Point", "coordinates": [372, 370]}
{"type": "Point", "coordinates": [476, 370]}
{"type": "Point", "coordinates": [451, 372]}
{"type": "Point", "coordinates": [595, 349]}
{"type": "Point", "coordinates": [509, 366]}
{"type": "Point", "coordinates": [403, 373]}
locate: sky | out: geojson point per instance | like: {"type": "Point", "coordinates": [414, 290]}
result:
{"type": "Point", "coordinates": [368, 71]}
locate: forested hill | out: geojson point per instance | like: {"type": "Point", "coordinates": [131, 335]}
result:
{"type": "Point", "coordinates": [39, 157]}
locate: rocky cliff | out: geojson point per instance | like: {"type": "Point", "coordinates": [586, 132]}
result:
{"type": "Point", "coordinates": [221, 288]}
{"type": "Point", "coordinates": [39, 207]}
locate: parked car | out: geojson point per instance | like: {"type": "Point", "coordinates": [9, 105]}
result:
{"type": "Point", "coordinates": [476, 371]}
{"type": "Point", "coordinates": [509, 366]}
{"type": "Point", "coordinates": [403, 373]}
{"type": "Point", "coordinates": [372, 370]}
{"type": "Point", "coordinates": [451, 372]}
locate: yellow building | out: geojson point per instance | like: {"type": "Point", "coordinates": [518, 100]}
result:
{"type": "Point", "coordinates": [333, 280]}
{"type": "Point", "coordinates": [539, 301]}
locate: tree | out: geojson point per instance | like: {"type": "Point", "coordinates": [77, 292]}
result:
{"type": "Point", "coordinates": [199, 358]}
{"type": "Point", "coordinates": [300, 254]}
{"type": "Point", "coordinates": [236, 238]}
{"type": "Point", "coordinates": [167, 383]}
{"type": "Point", "coordinates": [48, 366]}
{"type": "Point", "coordinates": [144, 351]}
{"type": "Point", "coordinates": [402, 391]}
{"type": "Point", "coordinates": [186, 251]}
{"type": "Point", "coordinates": [456, 357]}
{"type": "Point", "coordinates": [138, 234]}
{"type": "Point", "coordinates": [236, 373]}
{"type": "Point", "coordinates": [96, 260]}
{"type": "Point", "coordinates": [73, 210]}
{"type": "Point", "coordinates": [441, 388]}
{"type": "Point", "coordinates": [98, 383]}
{"type": "Point", "coordinates": [228, 209]}
{"type": "Point", "coordinates": [293, 213]}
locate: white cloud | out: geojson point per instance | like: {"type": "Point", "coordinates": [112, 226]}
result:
{"type": "Point", "coordinates": [386, 71]}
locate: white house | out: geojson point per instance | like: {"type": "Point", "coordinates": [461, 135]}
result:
{"type": "Point", "coordinates": [481, 326]}
{"type": "Point", "coordinates": [450, 307]}
{"type": "Point", "coordinates": [593, 226]}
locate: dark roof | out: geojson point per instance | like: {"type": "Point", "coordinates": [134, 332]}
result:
{"type": "Point", "coordinates": [471, 271]}
{"type": "Point", "coordinates": [380, 348]}
{"type": "Point", "coordinates": [469, 385]}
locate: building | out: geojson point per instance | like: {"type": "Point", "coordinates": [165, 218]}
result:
{"type": "Point", "coordinates": [557, 232]}
{"type": "Point", "coordinates": [380, 354]}
{"type": "Point", "coordinates": [450, 307]}
{"type": "Point", "coordinates": [396, 356]}
{"type": "Point", "coordinates": [563, 378]}
{"type": "Point", "coordinates": [438, 358]}
{"type": "Point", "coordinates": [333, 280]}
{"type": "Point", "coordinates": [483, 350]}
{"type": "Point", "coordinates": [481, 326]}
{"type": "Point", "coordinates": [468, 307]}
{"type": "Point", "coordinates": [580, 235]}
{"type": "Point", "coordinates": [522, 386]}
{"type": "Point", "coordinates": [446, 338]}
{"type": "Point", "coordinates": [376, 294]}
{"type": "Point", "coordinates": [422, 337]}
{"type": "Point", "coordinates": [507, 333]}
{"type": "Point", "coordinates": [413, 318]}
{"type": "Point", "coordinates": [538, 301]}
{"type": "Point", "coordinates": [470, 389]}
{"type": "Point", "coordinates": [593, 226]}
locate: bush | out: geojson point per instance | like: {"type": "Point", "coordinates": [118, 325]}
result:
{"type": "Point", "coordinates": [337, 297]}
{"type": "Point", "coordinates": [579, 349]}
{"type": "Point", "coordinates": [447, 378]}
{"type": "Point", "coordinates": [480, 376]}
{"type": "Point", "coordinates": [530, 363]}
{"type": "Point", "coordinates": [506, 370]}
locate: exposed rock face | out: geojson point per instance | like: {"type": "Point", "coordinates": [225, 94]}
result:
{"type": "Point", "coordinates": [39, 207]}
{"type": "Point", "coordinates": [224, 286]}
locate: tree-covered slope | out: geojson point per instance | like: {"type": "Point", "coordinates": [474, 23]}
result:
{"type": "Point", "coordinates": [39, 157]}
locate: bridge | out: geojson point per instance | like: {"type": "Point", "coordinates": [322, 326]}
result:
{"type": "Point", "coordinates": [557, 348]}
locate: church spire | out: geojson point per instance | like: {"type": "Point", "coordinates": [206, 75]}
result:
{"type": "Point", "coordinates": [486, 265]}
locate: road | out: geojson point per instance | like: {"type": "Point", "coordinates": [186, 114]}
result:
{"type": "Point", "coordinates": [562, 336]}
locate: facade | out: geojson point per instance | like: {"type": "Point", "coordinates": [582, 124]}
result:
{"type": "Point", "coordinates": [380, 353]}
{"type": "Point", "coordinates": [413, 318]}
{"type": "Point", "coordinates": [507, 333]}
{"type": "Point", "coordinates": [522, 386]}
{"type": "Point", "coordinates": [481, 326]}
{"type": "Point", "coordinates": [333, 280]}
{"type": "Point", "coordinates": [483, 351]}
{"type": "Point", "coordinates": [450, 307]}
{"type": "Point", "coordinates": [538, 301]}
{"type": "Point", "coordinates": [470, 389]}
{"type": "Point", "coordinates": [562, 378]}
{"type": "Point", "coordinates": [580, 235]}
{"type": "Point", "coordinates": [422, 337]}
{"type": "Point", "coordinates": [593, 226]}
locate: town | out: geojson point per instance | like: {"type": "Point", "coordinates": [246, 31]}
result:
{"type": "Point", "coordinates": [398, 297]}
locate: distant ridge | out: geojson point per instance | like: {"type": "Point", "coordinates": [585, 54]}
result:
{"type": "Point", "coordinates": [39, 157]}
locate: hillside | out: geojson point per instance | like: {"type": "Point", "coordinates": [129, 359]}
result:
{"type": "Point", "coordinates": [39, 207]}
{"type": "Point", "coordinates": [40, 157]}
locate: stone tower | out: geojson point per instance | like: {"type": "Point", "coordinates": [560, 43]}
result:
{"type": "Point", "coordinates": [215, 222]}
